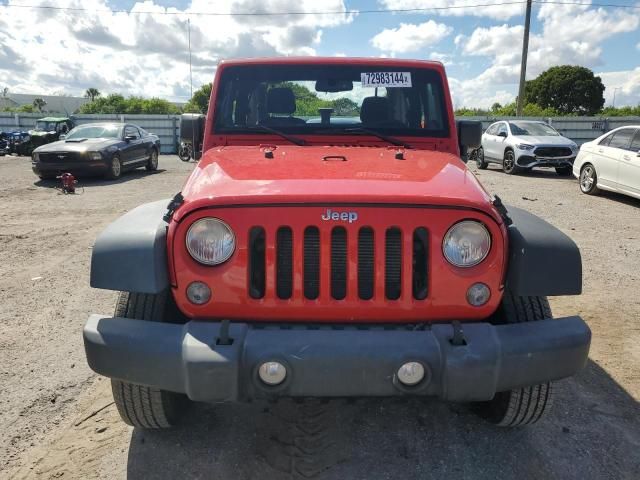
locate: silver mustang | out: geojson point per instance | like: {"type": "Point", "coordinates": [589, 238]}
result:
{"type": "Point", "coordinates": [520, 145]}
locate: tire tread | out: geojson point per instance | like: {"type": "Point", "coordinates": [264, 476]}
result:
{"type": "Point", "coordinates": [521, 406]}
{"type": "Point", "coordinates": [138, 405]}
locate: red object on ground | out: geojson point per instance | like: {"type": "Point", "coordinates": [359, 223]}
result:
{"type": "Point", "coordinates": [68, 183]}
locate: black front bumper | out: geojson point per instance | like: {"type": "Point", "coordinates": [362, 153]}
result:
{"type": "Point", "coordinates": [530, 161]}
{"type": "Point", "coordinates": [88, 167]}
{"type": "Point", "coordinates": [326, 361]}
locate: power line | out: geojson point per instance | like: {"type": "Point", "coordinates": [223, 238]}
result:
{"type": "Point", "coordinates": [299, 13]}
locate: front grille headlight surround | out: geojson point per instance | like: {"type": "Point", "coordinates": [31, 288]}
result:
{"type": "Point", "coordinates": [95, 155]}
{"type": "Point", "coordinates": [466, 244]}
{"type": "Point", "coordinates": [210, 241]}
{"type": "Point", "coordinates": [35, 157]}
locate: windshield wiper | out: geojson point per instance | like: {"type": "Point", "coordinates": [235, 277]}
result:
{"type": "Point", "coordinates": [381, 136]}
{"type": "Point", "coordinates": [264, 128]}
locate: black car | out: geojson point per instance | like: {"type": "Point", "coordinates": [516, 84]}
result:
{"type": "Point", "coordinates": [98, 149]}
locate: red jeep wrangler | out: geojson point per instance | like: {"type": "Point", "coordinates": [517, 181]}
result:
{"type": "Point", "coordinates": [332, 243]}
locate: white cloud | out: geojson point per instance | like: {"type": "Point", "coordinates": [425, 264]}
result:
{"type": "Point", "coordinates": [44, 51]}
{"type": "Point", "coordinates": [409, 37]}
{"type": "Point", "coordinates": [626, 85]}
{"type": "Point", "coordinates": [570, 34]}
{"type": "Point", "coordinates": [462, 7]}
{"type": "Point", "coordinates": [445, 58]}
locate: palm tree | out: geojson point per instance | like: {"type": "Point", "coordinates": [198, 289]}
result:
{"type": "Point", "coordinates": [39, 103]}
{"type": "Point", "coordinates": [92, 93]}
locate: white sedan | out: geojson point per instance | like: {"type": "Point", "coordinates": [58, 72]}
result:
{"type": "Point", "coordinates": [610, 162]}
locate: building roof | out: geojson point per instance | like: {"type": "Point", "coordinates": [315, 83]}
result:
{"type": "Point", "coordinates": [53, 103]}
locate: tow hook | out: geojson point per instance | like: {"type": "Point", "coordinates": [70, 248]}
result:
{"type": "Point", "coordinates": [223, 338]}
{"type": "Point", "coordinates": [458, 335]}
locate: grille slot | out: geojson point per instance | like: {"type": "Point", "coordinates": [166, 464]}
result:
{"type": "Point", "coordinates": [553, 152]}
{"type": "Point", "coordinates": [338, 263]}
{"type": "Point", "coordinates": [366, 259]}
{"type": "Point", "coordinates": [50, 157]}
{"type": "Point", "coordinates": [420, 263]}
{"type": "Point", "coordinates": [256, 262]}
{"type": "Point", "coordinates": [284, 263]}
{"type": "Point", "coordinates": [311, 263]}
{"type": "Point", "coordinates": [393, 263]}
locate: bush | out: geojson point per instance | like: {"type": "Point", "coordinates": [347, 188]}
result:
{"type": "Point", "coordinates": [118, 104]}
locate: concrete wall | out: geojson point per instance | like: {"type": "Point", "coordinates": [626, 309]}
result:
{"type": "Point", "coordinates": [167, 127]}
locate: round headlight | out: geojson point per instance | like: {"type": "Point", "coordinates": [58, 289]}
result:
{"type": "Point", "coordinates": [210, 241]}
{"type": "Point", "coordinates": [466, 244]}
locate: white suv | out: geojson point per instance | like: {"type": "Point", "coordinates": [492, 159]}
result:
{"type": "Point", "coordinates": [523, 144]}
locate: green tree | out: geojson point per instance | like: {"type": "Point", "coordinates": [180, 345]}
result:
{"type": "Point", "coordinates": [345, 107]}
{"type": "Point", "coordinates": [621, 111]}
{"type": "Point", "coordinates": [568, 89]}
{"type": "Point", "coordinates": [495, 107]}
{"type": "Point", "coordinates": [199, 102]}
{"type": "Point", "coordinates": [39, 104]}
{"type": "Point", "coordinates": [27, 108]}
{"type": "Point", "coordinates": [92, 93]}
{"type": "Point", "coordinates": [116, 103]}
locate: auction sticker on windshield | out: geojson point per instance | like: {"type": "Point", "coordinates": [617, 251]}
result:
{"type": "Point", "coordinates": [386, 79]}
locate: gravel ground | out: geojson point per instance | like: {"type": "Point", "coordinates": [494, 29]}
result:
{"type": "Point", "coordinates": [58, 421]}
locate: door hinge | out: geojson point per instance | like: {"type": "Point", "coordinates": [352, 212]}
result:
{"type": "Point", "coordinates": [502, 210]}
{"type": "Point", "coordinates": [173, 206]}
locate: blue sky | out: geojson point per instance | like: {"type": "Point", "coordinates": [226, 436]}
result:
{"type": "Point", "coordinates": [146, 53]}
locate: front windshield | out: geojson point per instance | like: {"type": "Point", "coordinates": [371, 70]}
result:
{"type": "Point", "coordinates": [94, 131]}
{"type": "Point", "coordinates": [45, 126]}
{"type": "Point", "coordinates": [331, 99]}
{"type": "Point", "coordinates": [532, 128]}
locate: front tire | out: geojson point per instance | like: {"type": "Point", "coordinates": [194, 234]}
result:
{"type": "Point", "coordinates": [115, 168]}
{"type": "Point", "coordinates": [481, 163]}
{"type": "Point", "coordinates": [152, 163]}
{"type": "Point", "coordinates": [521, 406]}
{"type": "Point", "coordinates": [589, 180]}
{"type": "Point", "coordinates": [509, 163]}
{"type": "Point", "coordinates": [141, 406]}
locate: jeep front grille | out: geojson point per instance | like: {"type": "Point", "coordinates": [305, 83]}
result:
{"type": "Point", "coordinates": [369, 268]}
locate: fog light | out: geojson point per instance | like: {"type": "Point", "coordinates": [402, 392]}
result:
{"type": "Point", "coordinates": [198, 293]}
{"type": "Point", "coordinates": [272, 373]}
{"type": "Point", "coordinates": [411, 373]}
{"type": "Point", "coordinates": [478, 294]}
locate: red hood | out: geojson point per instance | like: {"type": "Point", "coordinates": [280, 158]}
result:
{"type": "Point", "coordinates": [236, 175]}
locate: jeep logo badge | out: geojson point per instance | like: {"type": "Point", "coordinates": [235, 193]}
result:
{"type": "Point", "coordinates": [339, 216]}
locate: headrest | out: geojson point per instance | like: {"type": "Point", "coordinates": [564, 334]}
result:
{"type": "Point", "coordinates": [374, 110]}
{"type": "Point", "coordinates": [281, 100]}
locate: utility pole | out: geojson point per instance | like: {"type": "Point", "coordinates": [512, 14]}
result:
{"type": "Point", "coordinates": [190, 72]}
{"type": "Point", "coordinates": [523, 65]}
{"type": "Point", "coordinates": [614, 96]}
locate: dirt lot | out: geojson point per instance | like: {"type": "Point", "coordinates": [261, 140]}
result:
{"type": "Point", "coordinates": [57, 419]}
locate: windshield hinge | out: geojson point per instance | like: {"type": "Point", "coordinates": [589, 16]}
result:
{"type": "Point", "coordinates": [502, 210]}
{"type": "Point", "coordinates": [173, 206]}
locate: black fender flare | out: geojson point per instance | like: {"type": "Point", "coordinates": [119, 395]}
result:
{"type": "Point", "coordinates": [131, 253]}
{"type": "Point", "coordinates": [542, 260]}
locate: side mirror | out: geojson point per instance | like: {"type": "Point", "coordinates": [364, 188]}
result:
{"type": "Point", "coordinates": [128, 138]}
{"type": "Point", "coordinates": [502, 134]}
{"type": "Point", "coordinates": [469, 136]}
